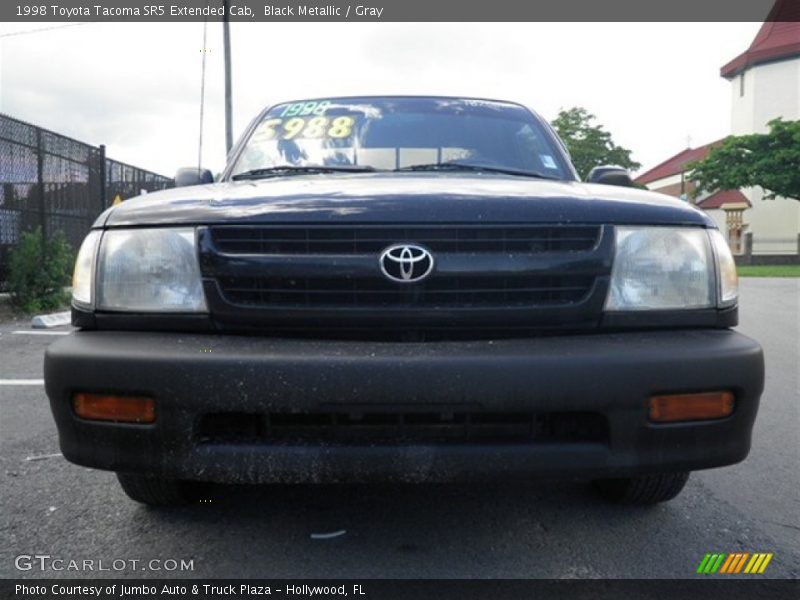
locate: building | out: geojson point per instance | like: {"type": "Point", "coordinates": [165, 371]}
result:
{"type": "Point", "coordinates": [765, 84]}
{"type": "Point", "coordinates": [726, 207]}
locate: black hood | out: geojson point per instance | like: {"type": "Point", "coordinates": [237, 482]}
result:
{"type": "Point", "coordinates": [402, 198]}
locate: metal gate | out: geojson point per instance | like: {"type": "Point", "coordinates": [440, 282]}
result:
{"type": "Point", "coordinates": [51, 181]}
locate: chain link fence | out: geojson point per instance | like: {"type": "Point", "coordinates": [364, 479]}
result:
{"type": "Point", "coordinates": [57, 183]}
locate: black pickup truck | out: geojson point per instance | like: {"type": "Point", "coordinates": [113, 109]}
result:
{"type": "Point", "coordinates": [406, 289]}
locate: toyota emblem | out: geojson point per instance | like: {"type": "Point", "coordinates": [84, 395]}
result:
{"type": "Point", "coordinates": [406, 263]}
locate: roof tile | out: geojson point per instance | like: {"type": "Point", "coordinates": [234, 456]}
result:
{"type": "Point", "coordinates": [778, 38]}
{"type": "Point", "coordinates": [724, 197]}
{"type": "Point", "coordinates": [676, 164]}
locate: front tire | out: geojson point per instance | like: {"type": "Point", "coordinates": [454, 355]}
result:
{"type": "Point", "coordinates": [642, 490]}
{"type": "Point", "coordinates": [157, 491]}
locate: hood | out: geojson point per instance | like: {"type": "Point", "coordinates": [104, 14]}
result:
{"type": "Point", "coordinates": [402, 198]}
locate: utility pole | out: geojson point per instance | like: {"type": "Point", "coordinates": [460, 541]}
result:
{"type": "Point", "coordinates": [226, 42]}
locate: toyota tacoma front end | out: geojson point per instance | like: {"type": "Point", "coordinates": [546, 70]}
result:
{"type": "Point", "coordinates": [410, 289]}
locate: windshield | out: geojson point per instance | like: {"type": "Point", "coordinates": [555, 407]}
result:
{"type": "Point", "coordinates": [399, 133]}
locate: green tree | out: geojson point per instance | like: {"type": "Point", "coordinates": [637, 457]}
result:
{"type": "Point", "coordinates": [767, 160]}
{"type": "Point", "coordinates": [589, 144]}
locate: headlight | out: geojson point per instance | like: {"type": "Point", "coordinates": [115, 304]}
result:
{"type": "Point", "coordinates": [149, 270]}
{"type": "Point", "coordinates": [83, 275]}
{"type": "Point", "coordinates": [662, 268]}
{"type": "Point", "coordinates": [726, 270]}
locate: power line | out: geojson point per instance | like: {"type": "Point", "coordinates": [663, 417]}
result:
{"type": "Point", "coordinates": [40, 29]}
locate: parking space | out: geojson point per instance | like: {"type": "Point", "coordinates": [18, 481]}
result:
{"type": "Point", "coordinates": [539, 530]}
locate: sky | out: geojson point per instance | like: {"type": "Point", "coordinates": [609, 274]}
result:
{"type": "Point", "coordinates": [136, 86]}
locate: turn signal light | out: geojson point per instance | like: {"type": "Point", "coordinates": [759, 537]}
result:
{"type": "Point", "coordinates": [691, 407]}
{"type": "Point", "coordinates": [110, 407]}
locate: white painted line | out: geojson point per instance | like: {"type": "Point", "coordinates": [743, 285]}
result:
{"type": "Point", "coordinates": [328, 536]}
{"type": "Point", "coordinates": [43, 456]}
{"type": "Point", "coordinates": [41, 332]}
{"type": "Point", "coordinates": [52, 320]}
{"type": "Point", "coordinates": [21, 381]}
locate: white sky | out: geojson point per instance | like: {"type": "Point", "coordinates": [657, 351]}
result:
{"type": "Point", "coordinates": [136, 87]}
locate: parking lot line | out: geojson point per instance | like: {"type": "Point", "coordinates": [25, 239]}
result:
{"type": "Point", "coordinates": [41, 332]}
{"type": "Point", "coordinates": [21, 381]}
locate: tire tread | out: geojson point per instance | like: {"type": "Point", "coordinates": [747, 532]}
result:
{"type": "Point", "coordinates": [643, 489]}
{"type": "Point", "coordinates": [155, 491]}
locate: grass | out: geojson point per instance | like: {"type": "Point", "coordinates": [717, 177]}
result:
{"type": "Point", "coordinates": [769, 271]}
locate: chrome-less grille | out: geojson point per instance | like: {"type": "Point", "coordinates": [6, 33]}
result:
{"type": "Point", "coordinates": [448, 292]}
{"type": "Point", "coordinates": [397, 427]}
{"type": "Point", "coordinates": [327, 278]}
{"type": "Point", "coordinates": [364, 240]}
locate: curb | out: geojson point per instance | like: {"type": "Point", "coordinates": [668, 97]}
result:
{"type": "Point", "coordinates": [58, 319]}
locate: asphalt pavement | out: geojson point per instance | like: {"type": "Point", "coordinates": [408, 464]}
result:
{"type": "Point", "coordinates": [51, 507]}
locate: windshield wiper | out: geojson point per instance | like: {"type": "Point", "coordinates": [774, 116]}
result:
{"type": "Point", "coordinates": [295, 169]}
{"type": "Point", "coordinates": [455, 166]}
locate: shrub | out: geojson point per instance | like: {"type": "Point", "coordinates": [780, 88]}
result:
{"type": "Point", "coordinates": [38, 271]}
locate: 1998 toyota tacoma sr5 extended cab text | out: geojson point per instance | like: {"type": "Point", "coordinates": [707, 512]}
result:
{"type": "Point", "coordinates": [409, 289]}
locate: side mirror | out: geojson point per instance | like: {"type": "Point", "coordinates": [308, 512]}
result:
{"type": "Point", "coordinates": [192, 176]}
{"type": "Point", "coordinates": [610, 175]}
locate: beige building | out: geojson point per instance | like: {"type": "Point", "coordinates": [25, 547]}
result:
{"type": "Point", "coordinates": [765, 84]}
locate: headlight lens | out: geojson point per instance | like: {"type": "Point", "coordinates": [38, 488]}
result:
{"type": "Point", "coordinates": [149, 270]}
{"type": "Point", "coordinates": [726, 269]}
{"type": "Point", "coordinates": [83, 275]}
{"type": "Point", "coordinates": [661, 268]}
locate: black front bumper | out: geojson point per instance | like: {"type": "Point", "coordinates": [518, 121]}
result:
{"type": "Point", "coordinates": [612, 375]}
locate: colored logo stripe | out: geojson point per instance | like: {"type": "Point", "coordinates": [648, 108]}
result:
{"type": "Point", "coordinates": [714, 564]}
{"type": "Point", "coordinates": [734, 563]}
{"type": "Point", "coordinates": [727, 564]}
{"type": "Point", "coordinates": [710, 563]}
{"type": "Point", "coordinates": [703, 563]}
{"type": "Point", "coordinates": [758, 563]}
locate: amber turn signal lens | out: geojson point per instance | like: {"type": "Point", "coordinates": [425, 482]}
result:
{"type": "Point", "coordinates": [691, 407]}
{"type": "Point", "coordinates": [110, 407]}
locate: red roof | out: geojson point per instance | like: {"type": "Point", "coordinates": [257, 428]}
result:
{"type": "Point", "coordinates": [676, 164]}
{"type": "Point", "coordinates": [778, 39]}
{"type": "Point", "coordinates": [723, 197]}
